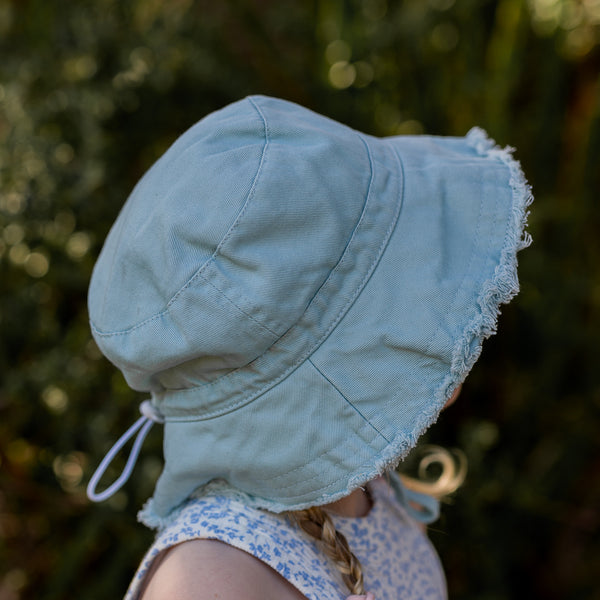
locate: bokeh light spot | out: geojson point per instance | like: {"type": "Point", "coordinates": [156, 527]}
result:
{"type": "Point", "coordinates": [410, 127]}
{"type": "Point", "coordinates": [342, 75]}
{"type": "Point", "coordinates": [36, 264]}
{"type": "Point", "coordinates": [68, 469]}
{"type": "Point", "coordinates": [13, 582]}
{"type": "Point", "coordinates": [12, 203]}
{"type": "Point", "coordinates": [18, 254]}
{"type": "Point", "coordinates": [78, 245]}
{"type": "Point", "coordinates": [55, 399]}
{"type": "Point", "coordinates": [487, 434]}
{"type": "Point", "coordinates": [13, 234]}
{"type": "Point", "coordinates": [579, 42]}
{"type": "Point", "coordinates": [79, 68]}
{"type": "Point", "coordinates": [64, 153]}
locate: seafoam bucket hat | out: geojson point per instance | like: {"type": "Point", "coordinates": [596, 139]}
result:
{"type": "Point", "coordinates": [300, 299]}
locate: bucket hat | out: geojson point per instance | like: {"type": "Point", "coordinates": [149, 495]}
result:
{"type": "Point", "coordinates": [301, 299]}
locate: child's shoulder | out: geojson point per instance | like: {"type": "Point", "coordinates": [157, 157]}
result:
{"type": "Point", "coordinates": [219, 543]}
{"type": "Point", "coordinates": [204, 568]}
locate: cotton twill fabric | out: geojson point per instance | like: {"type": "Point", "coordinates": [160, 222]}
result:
{"type": "Point", "coordinates": [219, 281]}
{"type": "Point", "coordinates": [300, 340]}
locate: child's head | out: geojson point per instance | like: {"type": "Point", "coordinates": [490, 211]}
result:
{"type": "Point", "coordinates": [300, 299]}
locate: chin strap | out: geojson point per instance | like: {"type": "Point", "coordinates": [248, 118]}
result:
{"type": "Point", "coordinates": [150, 415]}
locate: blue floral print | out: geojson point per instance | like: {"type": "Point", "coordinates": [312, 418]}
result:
{"type": "Point", "coordinates": [397, 558]}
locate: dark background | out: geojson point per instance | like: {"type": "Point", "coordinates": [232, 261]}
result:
{"type": "Point", "coordinates": [91, 93]}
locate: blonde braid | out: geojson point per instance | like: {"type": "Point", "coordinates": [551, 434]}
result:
{"type": "Point", "coordinates": [318, 524]}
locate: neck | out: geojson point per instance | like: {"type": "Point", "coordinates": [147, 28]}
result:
{"type": "Point", "coordinates": [357, 504]}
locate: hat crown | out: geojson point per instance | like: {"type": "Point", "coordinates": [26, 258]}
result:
{"type": "Point", "coordinates": [225, 240]}
{"type": "Point", "coordinates": [278, 276]}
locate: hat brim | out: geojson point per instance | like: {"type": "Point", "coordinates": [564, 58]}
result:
{"type": "Point", "coordinates": [381, 355]}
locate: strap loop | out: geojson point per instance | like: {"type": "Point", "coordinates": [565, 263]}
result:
{"type": "Point", "coordinates": [150, 415]}
{"type": "Point", "coordinates": [428, 509]}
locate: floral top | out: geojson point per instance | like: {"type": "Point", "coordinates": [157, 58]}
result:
{"type": "Point", "coordinates": [398, 560]}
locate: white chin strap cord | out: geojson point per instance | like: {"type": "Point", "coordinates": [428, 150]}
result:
{"type": "Point", "coordinates": [142, 426]}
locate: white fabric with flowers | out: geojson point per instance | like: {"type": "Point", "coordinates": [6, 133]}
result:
{"type": "Point", "coordinates": [397, 558]}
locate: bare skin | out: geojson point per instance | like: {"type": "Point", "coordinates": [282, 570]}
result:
{"type": "Point", "coordinates": [454, 396]}
{"type": "Point", "coordinates": [210, 569]}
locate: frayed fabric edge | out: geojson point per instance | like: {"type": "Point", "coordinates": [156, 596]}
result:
{"type": "Point", "coordinates": [217, 487]}
{"type": "Point", "coordinates": [504, 285]}
{"type": "Point", "coordinates": [500, 289]}
{"type": "Point", "coordinates": [150, 518]}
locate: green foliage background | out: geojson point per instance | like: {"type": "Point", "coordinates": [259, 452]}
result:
{"type": "Point", "coordinates": [92, 92]}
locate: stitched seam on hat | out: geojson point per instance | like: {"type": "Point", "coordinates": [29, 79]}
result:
{"type": "Point", "coordinates": [236, 223]}
{"type": "Point", "coordinates": [378, 463]}
{"type": "Point", "coordinates": [320, 340]}
{"type": "Point", "coordinates": [364, 425]}
{"type": "Point", "coordinates": [467, 270]}
{"type": "Point", "coordinates": [238, 307]}
{"type": "Point", "coordinates": [199, 272]}
{"type": "Point", "coordinates": [374, 465]}
{"type": "Point", "coordinates": [476, 241]}
{"type": "Point", "coordinates": [332, 325]}
{"type": "Point", "coordinates": [335, 387]}
{"type": "Point", "coordinates": [338, 316]}
{"type": "Point", "coordinates": [428, 416]}
{"type": "Point", "coordinates": [503, 284]}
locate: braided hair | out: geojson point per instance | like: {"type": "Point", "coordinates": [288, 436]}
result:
{"type": "Point", "coordinates": [318, 524]}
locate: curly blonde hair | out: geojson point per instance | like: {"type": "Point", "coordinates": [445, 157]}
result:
{"type": "Point", "coordinates": [317, 523]}
{"type": "Point", "coordinates": [452, 467]}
